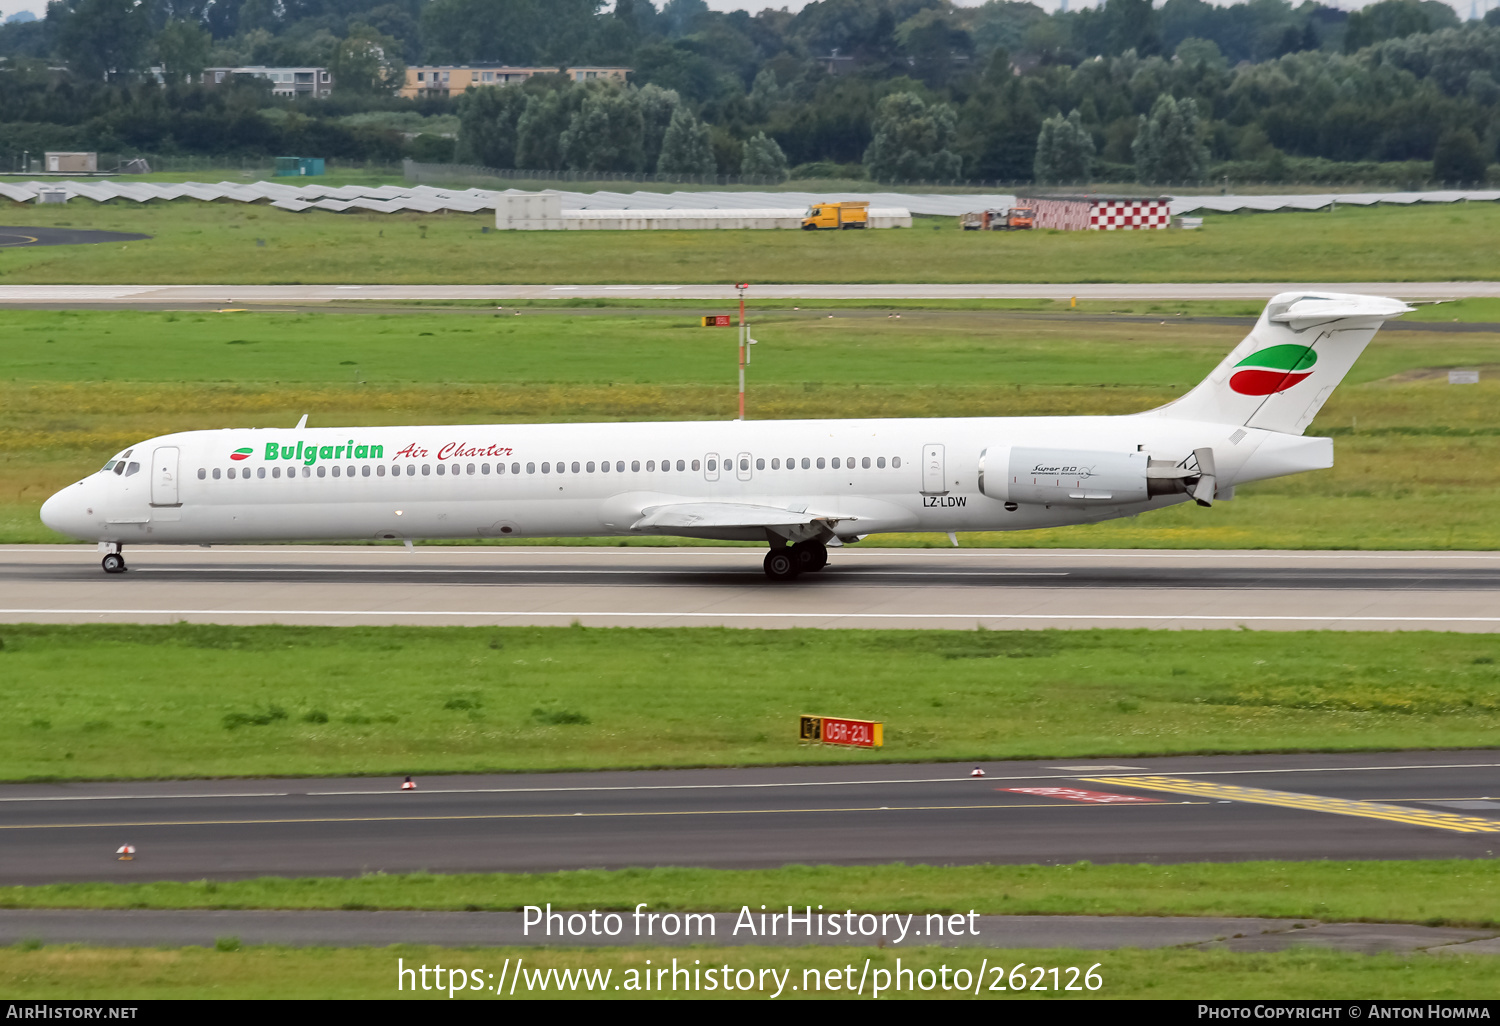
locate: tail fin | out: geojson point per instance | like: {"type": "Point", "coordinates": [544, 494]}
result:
{"type": "Point", "coordinates": [1282, 374]}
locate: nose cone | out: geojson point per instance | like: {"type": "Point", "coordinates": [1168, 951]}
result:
{"type": "Point", "coordinates": [66, 512]}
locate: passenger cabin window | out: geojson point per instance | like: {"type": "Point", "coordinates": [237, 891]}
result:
{"type": "Point", "coordinates": [880, 462]}
{"type": "Point", "coordinates": [635, 466]}
{"type": "Point", "coordinates": [426, 470]}
{"type": "Point", "coordinates": [441, 470]}
{"type": "Point", "coordinates": [895, 461]}
{"type": "Point", "coordinates": [216, 473]}
{"type": "Point", "coordinates": [202, 473]}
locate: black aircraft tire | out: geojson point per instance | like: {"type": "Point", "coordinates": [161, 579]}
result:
{"type": "Point", "coordinates": [781, 565]}
{"type": "Point", "coordinates": [114, 563]}
{"type": "Point", "coordinates": [811, 556]}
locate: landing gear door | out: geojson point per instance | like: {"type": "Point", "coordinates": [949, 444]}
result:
{"type": "Point", "coordinates": [934, 473]}
{"type": "Point", "coordinates": [164, 477]}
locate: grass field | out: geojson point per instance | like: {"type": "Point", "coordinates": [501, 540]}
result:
{"type": "Point", "coordinates": [232, 972]}
{"type": "Point", "coordinates": [1434, 892]}
{"type": "Point", "coordinates": [121, 701]}
{"type": "Point", "coordinates": [230, 242]}
{"type": "Point", "coordinates": [1413, 454]}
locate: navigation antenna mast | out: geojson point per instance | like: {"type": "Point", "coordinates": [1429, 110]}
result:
{"type": "Point", "coordinates": [745, 343]}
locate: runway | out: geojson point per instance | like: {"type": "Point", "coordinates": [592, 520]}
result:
{"type": "Point", "coordinates": [219, 295]}
{"type": "Point", "coordinates": [1403, 805]}
{"type": "Point", "coordinates": [703, 586]}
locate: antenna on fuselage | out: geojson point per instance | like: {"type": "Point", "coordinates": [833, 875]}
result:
{"type": "Point", "coordinates": [301, 423]}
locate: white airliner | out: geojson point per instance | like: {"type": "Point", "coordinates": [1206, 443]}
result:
{"type": "Point", "coordinates": [799, 485]}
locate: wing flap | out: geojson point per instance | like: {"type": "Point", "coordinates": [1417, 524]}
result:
{"type": "Point", "coordinates": [701, 515]}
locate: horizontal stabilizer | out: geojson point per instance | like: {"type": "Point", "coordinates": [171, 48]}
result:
{"type": "Point", "coordinates": [1280, 376]}
{"type": "Point", "coordinates": [726, 514]}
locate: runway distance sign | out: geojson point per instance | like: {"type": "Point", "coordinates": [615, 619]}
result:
{"type": "Point", "coordinates": [838, 730]}
{"type": "Point", "coordinates": [716, 321]}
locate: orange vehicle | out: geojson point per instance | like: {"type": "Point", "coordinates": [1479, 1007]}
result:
{"type": "Point", "coordinates": [1020, 218]}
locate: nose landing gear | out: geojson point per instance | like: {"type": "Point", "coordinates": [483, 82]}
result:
{"type": "Point", "coordinates": [114, 562]}
{"type": "Point", "coordinates": [784, 563]}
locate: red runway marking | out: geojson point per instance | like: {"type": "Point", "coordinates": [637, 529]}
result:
{"type": "Point", "coordinates": [1076, 795]}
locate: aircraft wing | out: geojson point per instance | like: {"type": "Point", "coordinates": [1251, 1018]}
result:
{"type": "Point", "coordinates": [699, 515]}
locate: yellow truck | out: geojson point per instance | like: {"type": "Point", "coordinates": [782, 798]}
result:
{"type": "Point", "coordinates": [836, 216]}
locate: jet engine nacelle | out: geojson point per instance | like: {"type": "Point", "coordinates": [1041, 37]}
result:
{"type": "Point", "coordinates": [1014, 473]}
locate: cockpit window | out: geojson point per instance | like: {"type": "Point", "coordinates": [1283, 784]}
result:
{"type": "Point", "coordinates": [110, 465]}
{"type": "Point", "coordinates": [132, 469]}
{"type": "Point", "coordinates": [119, 466]}
{"type": "Point", "coordinates": [126, 454]}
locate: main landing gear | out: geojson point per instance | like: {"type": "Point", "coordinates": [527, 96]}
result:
{"type": "Point", "coordinates": [114, 562]}
{"type": "Point", "coordinates": [785, 563]}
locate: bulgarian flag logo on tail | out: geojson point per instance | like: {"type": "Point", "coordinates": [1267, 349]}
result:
{"type": "Point", "coordinates": [241, 454]}
{"type": "Point", "coordinates": [1274, 369]}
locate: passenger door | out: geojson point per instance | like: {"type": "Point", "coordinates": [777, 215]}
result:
{"type": "Point", "coordinates": [164, 476]}
{"type": "Point", "coordinates": [934, 474]}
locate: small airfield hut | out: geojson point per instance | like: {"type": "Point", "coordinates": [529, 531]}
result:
{"type": "Point", "coordinates": [1101, 213]}
{"type": "Point", "coordinates": [59, 163]}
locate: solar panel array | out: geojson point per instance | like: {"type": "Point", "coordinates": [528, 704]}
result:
{"type": "Point", "coordinates": [389, 199]}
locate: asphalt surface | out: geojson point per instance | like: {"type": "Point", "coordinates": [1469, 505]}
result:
{"type": "Point", "coordinates": [696, 586]}
{"type": "Point", "coordinates": [1406, 805]}
{"type": "Point", "coordinates": [155, 295]}
{"type": "Point", "coordinates": [139, 928]}
{"type": "Point", "coordinates": [13, 237]}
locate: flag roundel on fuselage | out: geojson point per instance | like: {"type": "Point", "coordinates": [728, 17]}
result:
{"type": "Point", "coordinates": [1273, 369]}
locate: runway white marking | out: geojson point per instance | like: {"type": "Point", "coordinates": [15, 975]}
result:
{"type": "Point", "coordinates": [669, 615]}
{"type": "Point", "coordinates": [863, 574]}
{"type": "Point", "coordinates": [768, 784]}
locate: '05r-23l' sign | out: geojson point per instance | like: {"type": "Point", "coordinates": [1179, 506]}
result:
{"type": "Point", "coordinates": [836, 730]}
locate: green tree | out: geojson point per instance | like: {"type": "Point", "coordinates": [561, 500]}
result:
{"type": "Point", "coordinates": [687, 148]}
{"type": "Point", "coordinates": [1064, 151]}
{"type": "Point", "coordinates": [606, 133]}
{"type": "Point", "coordinates": [1167, 147]}
{"type": "Point", "coordinates": [1394, 19]}
{"type": "Point", "coordinates": [103, 39]}
{"type": "Point", "coordinates": [657, 107]}
{"type": "Point", "coordinates": [182, 49]}
{"type": "Point", "coordinates": [366, 63]}
{"type": "Point", "coordinates": [1458, 158]}
{"type": "Point", "coordinates": [912, 140]}
{"type": "Point", "coordinates": [539, 128]}
{"type": "Point", "coordinates": [764, 159]}
{"type": "Point", "coordinates": [487, 120]}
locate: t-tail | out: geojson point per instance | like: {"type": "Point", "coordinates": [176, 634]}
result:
{"type": "Point", "coordinates": [1290, 363]}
